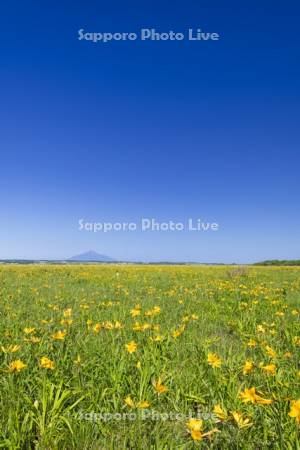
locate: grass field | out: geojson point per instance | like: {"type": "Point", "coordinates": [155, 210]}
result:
{"type": "Point", "coordinates": [149, 357]}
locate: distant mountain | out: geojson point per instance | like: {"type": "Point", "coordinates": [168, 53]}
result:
{"type": "Point", "coordinates": [91, 256]}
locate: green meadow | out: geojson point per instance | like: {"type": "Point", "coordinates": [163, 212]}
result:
{"type": "Point", "coordinates": [149, 357]}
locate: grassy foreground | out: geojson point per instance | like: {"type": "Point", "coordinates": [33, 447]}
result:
{"type": "Point", "coordinates": [149, 357]}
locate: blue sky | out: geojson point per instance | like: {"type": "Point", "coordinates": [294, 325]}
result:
{"type": "Point", "coordinates": [170, 130]}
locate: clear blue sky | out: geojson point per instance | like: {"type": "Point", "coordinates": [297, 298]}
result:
{"type": "Point", "coordinates": [171, 130]}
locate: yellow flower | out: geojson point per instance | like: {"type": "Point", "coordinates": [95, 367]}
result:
{"type": "Point", "coordinates": [129, 402]}
{"type": "Point", "coordinates": [242, 422]}
{"type": "Point", "coordinates": [295, 410]}
{"type": "Point", "coordinates": [77, 361]}
{"type": "Point", "coordinates": [250, 395]}
{"type": "Point", "coordinates": [270, 368]}
{"type": "Point", "coordinates": [248, 367]}
{"type": "Point", "coordinates": [67, 312]}
{"type": "Point", "coordinates": [195, 427]}
{"type": "Point", "coordinates": [108, 325]}
{"type": "Point", "coordinates": [143, 405]}
{"type": "Point", "coordinates": [251, 343]}
{"type": "Point", "coordinates": [66, 322]}
{"type": "Point", "coordinates": [131, 347]}
{"type": "Point", "coordinates": [29, 330]}
{"type": "Point", "coordinates": [59, 335]}
{"type": "Point", "coordinates": [11, 349]}
{"type": "Point", "coordinates": [159, 387]}
{"type": "Point", "coordinates": [219, 412]}
{"type": "Point", "coordinates": [195, 424]}
{"type": "Point", "coordinates": [34, 339]}
{"type": "Point", "coordinates": [214, 360]}
{"type": "Point", "coordinates": [97, 328]}
{"type": "Point", "coordinates": [152, 312]}
{"type": "Point", "coordinates": [84, 306]}
{"type": "Point", "coordinates": [16, 366]}
{"type": "Point", "coordinates": [137, 326]}
{"type": "Point", "coordinates": [45, 322]}
{"type": "Point", "coordinates": [296, 340]}
{"type": "Point", "coordinates": [196, 435]}
{"type": "Point", "coordinates": [135, 312]}
{"type": "Point", "coordinates": [178, 332]}
{"type": "Point", "coordinates": [46, 363]}
{"type": "Point", "coordinates": [140, 405]}
{"type": "Point", "coordinates": [270, 351]}
{"type": "Point", "coordinates": [138, 365]}
{"type": "Point", "coordinates": [157, 338]}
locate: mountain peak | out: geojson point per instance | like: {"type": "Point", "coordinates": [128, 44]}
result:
{"type": "Point", "coordinates": [91, 256]}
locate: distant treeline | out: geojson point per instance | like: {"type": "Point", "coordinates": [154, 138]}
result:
{"type": "Point", "coordinates": [279, 262]}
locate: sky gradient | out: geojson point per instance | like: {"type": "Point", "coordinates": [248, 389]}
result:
{"type": "Point", "coordinates": [171, 130]}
